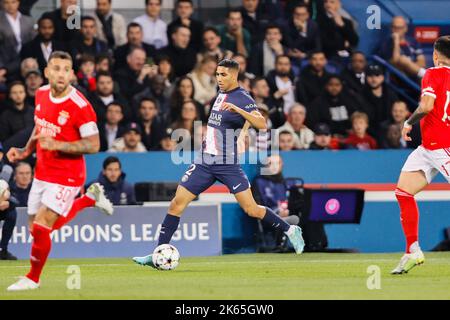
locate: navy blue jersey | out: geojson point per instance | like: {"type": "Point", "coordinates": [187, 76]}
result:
{"type": "Point", "coordinates": [224, 126]}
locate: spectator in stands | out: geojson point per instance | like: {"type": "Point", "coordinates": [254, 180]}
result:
{"type": "Point", "coordinates": [303, 136]}
{"type": "Point", "coordinates": [286, 141]}
{"type": "Point", "coordinates": [182, 56]}
{"type": "Point", "coordinates": [204, 80]}
{"type": "Point", "coordinates": [388, 137]}
{"type": "Point", "coordinates": [87, 42]}
{"type": "Point", "coordinates": [271, 190]}
{"type": "Point", "coordinates": [86, 73]}
{"type": "Point", "coordinates": [15, 30]}
{"type": "Point", "coordinates": [322, 138]}
{"type": "Point", "coordinates": [65, 30]}
{"type": "Point", "coordinates": [354, 77]}
{"type": "Point", "coordinates": [157, 90]}
{"type": "Point", "coordinates": [338, 34]}
{"type": "Point", "coordinates": [19, 115]}
{"type": "Point", "coordinates": [334, 107]}
{"type": "Point", "coordinates": [137, 74]}
{"type": "Point", "coordinates": [151, 125]}
{"type": "Point", "coordinates": [43, 44]}
{"type": "Point", "coordinates": [165, 69]}
{"type": "Point", "coordinates": [302, 34]}
{"type": "Point", "coordinates": [265, 52]}
{"type": "Point", "coordinates": [112, 129]}
{"type": "Point", "coordinates": [103, 63]}
{"type": "Point", "coordinates": [184, 91]}
{"type": "Point", "coordinates": [9, 215]}
{"type": "Point", "coordinates": [281, 82]}
{"type": "Point", "coordinates": [131, 140]}
{"type": "Point", "coordinates": [234, 36]}
{"type": "Point", "coordinates": [211, 46]}
{"type": "Point", "coordinates": [244, 82]}
{"type": "Point", "coordinates": [243, 72]}
{"type": "Point", "coordinates": [359, 138]}
{"type": "Point", "coordinates": [27, 65]}
{"type": "Point", "coordinates": [312, 78]}
{"type": "Point", "coordinates": [167, 143]}
{"type": "Point", "coordinates": [135, 38]}
{"type": "Point", "coordinates": [105, 94]}
{"type": "Point", "coordinates": [33, 81]}
{"type": "Point", "coordinates": [111, 26]}
{"type": "Point", "coordinates": [261, 94]}
{"type": "Point", "coordinates": [378, 96]}
{"type": "Point", "coordinates": [155, 29]}
{"type": "Point", "coordinates": [21, 186]}
{"type": "Point", "coordinates": [113, 179]}
{"type": "Point", "coordinates": [26, 6]}
{"type": "Point", "coordinates": [403, 51]}
{"type": "Point", "coordinates": [184, 10]}
{"type": "Point", "coordinates": [255, 19]}
{"type": "Point", "coordinates": [185, 121]}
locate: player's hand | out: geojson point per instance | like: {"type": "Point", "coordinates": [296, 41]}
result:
{"type": "Point", "coordinates": [46, 142]}
{"type": "Point", "coordinates": [16, 154]}
{"type": "Point", "coordinates": [405, 133]}
{"type": "Point", "coordinates": [4, 205]}
{"type": "Point", "coordinates": [229, 107]}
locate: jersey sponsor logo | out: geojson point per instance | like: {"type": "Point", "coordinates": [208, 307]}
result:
{"type": "Point", "coordinates": [63, 118]}
{"type": "Point", "coordinates": [46, 128]}
{"type": "Point", "coordinates": [250, 106]}
{"type": "Point", "coordinates": [215, 119]}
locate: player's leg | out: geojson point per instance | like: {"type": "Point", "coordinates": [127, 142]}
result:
{"type": "Point", "coordinates": [196, 180]}
{"type": "Point", "coordinates": [416, 174]}
{"type": "Point", "coordinates": [267, 215]}
{"type": "Point", "coordinates": [94, 196]}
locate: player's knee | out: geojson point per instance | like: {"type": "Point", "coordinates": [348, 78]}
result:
{"type": "Point", "coordinates": [176, 206]}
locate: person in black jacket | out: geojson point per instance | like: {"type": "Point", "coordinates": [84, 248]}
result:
{"type": "Point", "coordinates": [354, 77]}
{"type": "Point", "coordinates": [151, 124]}
{"type": "Point", "coordinates": [117, 189]}
{"type": "Point", "coordinates": [182, 56]}
{"type": "Point", "coordinates": [135, 38]}
{"type": "Point", "coordinates": [19, 115]}
{"type": "Point", "coordinates": [44, 38]}
{"type": "Point", "coordinates": [65, 28]}
{"type": "Point", "coordinates": [21, 186]}
{"type": "Point", "coordinates": [337, 33]}
{"type": "Point", "coordinates": [333, 107]}
{"type": "Point", "coordinates": [185, 9]}
{"type": "Point", "coordinates": [113, 127]}
{"type": "Point", "coordinates": [255, 19]}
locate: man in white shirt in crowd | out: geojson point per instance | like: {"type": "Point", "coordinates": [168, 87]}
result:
{"type": "Point", "coordinates": [155, 29]}
{"type": "Point", "coordinates": [303, 136]}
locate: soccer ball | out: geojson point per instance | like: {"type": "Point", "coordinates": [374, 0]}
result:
{"type": "Point", "coordinates": [166, 257]}
{"type": "Point", "coordinates": [4, 186]}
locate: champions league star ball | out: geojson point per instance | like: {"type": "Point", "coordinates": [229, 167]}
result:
{"type": "Point", "coordinates": [166, 257]}
{"type": "Point", "coordinates": [4, 186]}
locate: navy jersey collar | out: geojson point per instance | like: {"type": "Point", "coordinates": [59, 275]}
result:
{"type": "Point", "coordinates": [233, 90]}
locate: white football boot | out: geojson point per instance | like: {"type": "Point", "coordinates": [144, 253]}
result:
{"type": "Point", "coordinates": [101, 201]}
{"type": "Point", "coordinates": [23, 284]}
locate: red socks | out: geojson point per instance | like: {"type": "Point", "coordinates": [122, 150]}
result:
{"type": "Point", "coordinates": [409, 216]}
{"type": "Point", "coordinates": [40, 249]}
{"type": "Point", "coordinates": [78, 205]}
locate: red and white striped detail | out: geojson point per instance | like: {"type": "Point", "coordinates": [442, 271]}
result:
{"type": "Point", "coordinates": [400, 192]}
{"type": "Point", "coordinates": [77, 99]}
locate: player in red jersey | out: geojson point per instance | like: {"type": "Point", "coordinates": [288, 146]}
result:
{"type": "Point", "coordinates": [65, 129]}
{"type": "Point", "coordinates": [433, 156]}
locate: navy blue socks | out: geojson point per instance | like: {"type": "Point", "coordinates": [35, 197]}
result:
{"type": "Point", "coordinates": [168, 228]}
{"type": "Point", "coordinates": [275, 220]}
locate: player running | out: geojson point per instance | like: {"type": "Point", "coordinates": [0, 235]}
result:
{"type": "Point", "coordinates": [432, 156]}
{"type": "Point", "coordinates": [65, 129]}
{"type": "Point", "coordinates": [233, 110]}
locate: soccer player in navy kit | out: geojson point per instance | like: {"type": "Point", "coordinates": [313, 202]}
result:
{"type": "Point", "coordinates": [233, 112]}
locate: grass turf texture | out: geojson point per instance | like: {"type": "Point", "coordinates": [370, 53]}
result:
{"type": "Point", "coordinates": [249, 276]}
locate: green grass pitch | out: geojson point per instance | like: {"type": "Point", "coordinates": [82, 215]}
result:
{"type": "Point", "coordinates": [242, 276]}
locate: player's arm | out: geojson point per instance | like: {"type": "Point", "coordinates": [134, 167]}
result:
{"type": "Point", "coordinates": [87, 145]}
{"type": "Point", "coordinates": [255, 118]}
{"type": "Point", "coordinates": [241, 138]}
{"type": "Point", "coordinates": [425, 106]}
{"type": "Point", "coordinates": [18, 154]}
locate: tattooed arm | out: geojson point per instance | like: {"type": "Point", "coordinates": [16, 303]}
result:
{"type": "Point", "coordinates": [425, 106]}
{"type": "Point", "coordinates": [86, 145]}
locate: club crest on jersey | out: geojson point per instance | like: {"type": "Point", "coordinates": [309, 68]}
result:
{"type": "Point", "coordinates": [63, 118]}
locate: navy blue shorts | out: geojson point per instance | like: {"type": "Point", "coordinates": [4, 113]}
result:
{"type": "Point", "coordinates": [200, 177]}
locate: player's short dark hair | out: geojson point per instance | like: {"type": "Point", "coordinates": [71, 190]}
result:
{"type": "Point", "coordinates": [109, 160]}
{"type": "Point", "coordinates": [133, 25]}
{"type": "Point", "coordinates": [60, 55]}
{"type": "Point", "coordinates": [233, 10]}
{"type": "Point", "coordinates": [230, 64]}
{"type": "Point", "coordinates": [103, 74]}
{"type": "Point", "coordinates": [442, 45]}
{"type": "Point", "coordinates": [212, 29]}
